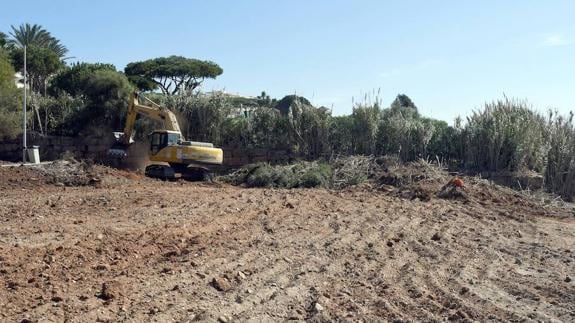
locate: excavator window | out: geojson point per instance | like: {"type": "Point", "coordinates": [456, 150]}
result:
{"type": "Point", "coordinates": [159, 141]}
{"type": "Point", "coordinates": [173, 139]}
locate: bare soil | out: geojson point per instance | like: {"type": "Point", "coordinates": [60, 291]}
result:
{"type": "Point", "coordinates": [121, 247]}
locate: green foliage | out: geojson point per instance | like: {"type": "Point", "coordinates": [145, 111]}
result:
{"type": "Point", "coordinates": [301, 174]}
{"type": "Point", "coordinates": [319, 176]}
{"type": "Point", "coordinates": [366, 119]}
{"type": "Point", "coordinates": [41, 63]}
{"type": "Point", "coordinates": [202, 115]}
{"type": "Point", "coordinates": [3, 39]}
{"type": "Point", "coordinates": [36, 36]}
{"type": "Point", "coordinates": [106, 94]}
{"type": "Point", "coordinates": [172, 75]}
{"type": "Point", "coordinates": [445, 141]}
{"type": "Point", "coordinates": [10, 105]}
{"type": "Point", "coordinates": [340, 137]}
{"type": "Point", "coordinates": [265, 128]}
{"type": "Point", "coordinates": [269, 176]}
{"type": "Point", "coordinates": [560, 168]}
{"type": "Point", "coordinates": [404, 106]}
{"type": "Point", "coordinates": [72, 80]}
{"type": "Point", "coordinates": [57, 109]}
{"type": "Point", "coordinates": [307, 128]}
{"type": "Point", "coordinates": [505, 135]}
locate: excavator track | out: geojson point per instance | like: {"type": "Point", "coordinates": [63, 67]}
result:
{"type": "Point", "coordinates": [162, 172]}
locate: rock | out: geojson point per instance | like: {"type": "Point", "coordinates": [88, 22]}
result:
{"type": "Point", "coordinates": [389, 243]}
{"type": "Point", "coordinates": [518, 261]}
{"type": "Point", "coordinates": [241, 275]}
{"type": "Point", "coordinates": [111, 290]}
{"type": "Point", "coordinates": [224, 319]}
{"type": "Point", "coordinates": [436, 236]}
{"type": "Point", "coordinates": [464, 290]}
{"type": "Point", "coordinates": [221, 284]}
{"type": "Point", "coordinates": [56, 299]}
{"type": "Point", "coordinates": [567, 279]}
{"type": "Point", "coordinates": [100, 236]}
{"type": "Point", "coordinates": [317, 307]}
{"type": "Point", "coordinates": [102, 267]}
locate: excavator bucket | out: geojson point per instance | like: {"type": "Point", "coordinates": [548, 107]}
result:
{"type": "Point", "coordinates": [119, 149]}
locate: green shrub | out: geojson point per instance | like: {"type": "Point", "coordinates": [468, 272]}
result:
{"type": "Point", "coordinates": [340, 135]}
{"type": "Point", "coordinates": [317, 176]}
{"type": "Point", "coordinates": [266, 175]}
{"type": "Point", "coordinates": [506, 135]}
{"type": "Point", "coordinates": [560, 169]}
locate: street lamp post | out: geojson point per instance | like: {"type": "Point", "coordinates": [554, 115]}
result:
{"type": "Point", "coordinates": [24, 121]}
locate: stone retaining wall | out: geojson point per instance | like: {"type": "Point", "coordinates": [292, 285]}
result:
{"type": "Point", "coordinates": [54, 147]}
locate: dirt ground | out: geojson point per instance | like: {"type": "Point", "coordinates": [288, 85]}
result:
{"type": "Point", "coordinates": [117, 247]}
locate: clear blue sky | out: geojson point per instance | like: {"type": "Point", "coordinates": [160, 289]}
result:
{"type": "Point", "coordinates": [448, 56]}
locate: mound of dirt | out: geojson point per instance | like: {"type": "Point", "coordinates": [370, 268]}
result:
{"type": "Point", "coordinates": [63, 173]}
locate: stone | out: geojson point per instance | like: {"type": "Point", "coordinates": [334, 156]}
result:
{"type": "Point", "coordinates": [111, 290]}
{"type": "Point", "coordinates": [241, 275]}
{"type": "Point", "coordinates": [221, 284]}
{"type": "Point", "coordinates": [102, 267]}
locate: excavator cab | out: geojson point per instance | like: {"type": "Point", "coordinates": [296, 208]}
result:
{"type": "Point", "coordinates": [160, 139]}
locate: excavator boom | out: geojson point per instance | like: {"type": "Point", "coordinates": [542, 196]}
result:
{"type": "Point", "coordinates": [154, 112]}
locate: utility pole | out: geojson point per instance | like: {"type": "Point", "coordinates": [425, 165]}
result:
{"type": "Point", "coordinates": [24, 121]}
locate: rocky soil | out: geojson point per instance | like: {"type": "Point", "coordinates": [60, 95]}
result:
{"type": "Point", "coordinates": [119, 247]}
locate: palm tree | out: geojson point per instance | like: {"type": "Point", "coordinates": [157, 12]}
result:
{"type": "Point", "coordinates": [3, 39]}
{"type": "Point", "coordinates": [36, 35]}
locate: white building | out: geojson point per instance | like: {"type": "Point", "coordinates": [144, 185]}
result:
{"type": "Point", "coordinates": [19, 80]}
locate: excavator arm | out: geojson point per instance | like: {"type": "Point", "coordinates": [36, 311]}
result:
{"type": "Point", "coordinates": [155, 112]}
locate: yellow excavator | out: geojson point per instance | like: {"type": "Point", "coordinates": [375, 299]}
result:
{"type": "Point", "coordinates": [171, 155]}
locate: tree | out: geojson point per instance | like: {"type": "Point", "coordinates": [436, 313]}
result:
{"type": "Point", "coordinates": [173, 74]}
{"type": "Point", "coordinates": [404, 105]}
{"type": "Point", "coordinates": [72, 80]}
{"type": "Point", "coordinates": [9, 100]}
{"type": "Point", "coordinates": [41, 63]}
{"type": "Point", "coordinates": [106, 94]}
{"type": "Point", "coordinates": [36, 35]}
{"type": "Point", "coordinates": [3, 39]}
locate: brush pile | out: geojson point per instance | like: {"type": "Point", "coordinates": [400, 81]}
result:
{"type": "Point", "coordinates": [338, 173]}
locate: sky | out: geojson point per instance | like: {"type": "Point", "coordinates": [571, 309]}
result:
{"type": "Point", "coordinates": [449, 57]}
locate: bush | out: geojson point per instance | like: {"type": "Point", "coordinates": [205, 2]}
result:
{"type": "Point", "coordinates": [403, 132]}
{"type": "Point", "coordinates": [340, 135]}
{"type": "Point", "coordinates": [266, 175]}
{"type": "Point", "coordinates": [319, 176]}
{"type": "Point", "coordinates": [506, 135]}
{"type": "Point", "coordinates": [560, 169]}
{"type": "Point", "coordinates": [301, 174]}
{"type": "Point", "coordinates": [202, 116]}
{"type": "Point", "coordinates": [365, 127]}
